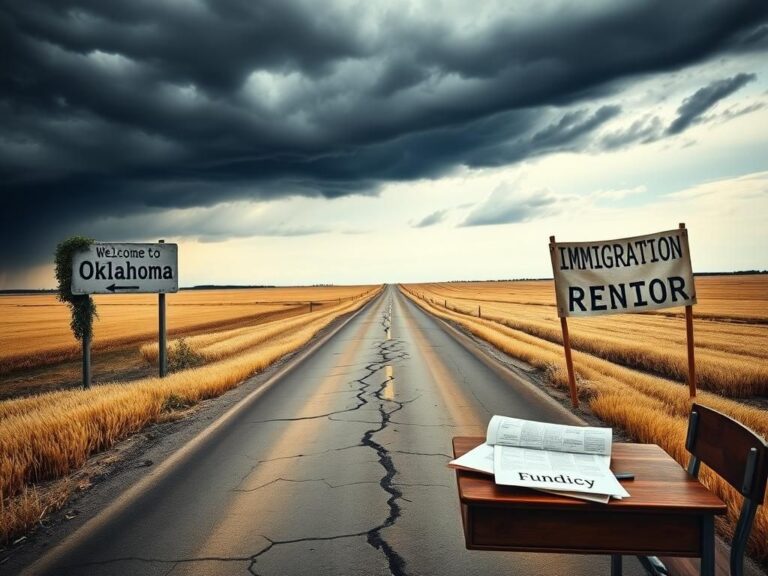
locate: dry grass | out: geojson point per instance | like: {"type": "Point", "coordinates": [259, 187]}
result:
{"type": "Point", "coordinates": [731, 328]}
{"type": "Point", "coordinates": [215, 346]}
{"type": "Point", "coordinates": [34, 329]}
{"type": "Point", "coordinates": [47, 436]}
{"type": "Point", "coordinates": [649, 408]}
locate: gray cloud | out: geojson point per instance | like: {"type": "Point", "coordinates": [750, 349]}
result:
{"type": "Point", "coordinates": [506, 205]}
{"type": "Point", "coordinates": [644, 130]}
{"type": "Point", "coordinates": [135, 108]}
{"type": "Point", "coordinates": [736, 111]}
{"type": "Point", "coordinates": [431, 219]}
{"type": "Point", "coordinates": [692, 108]}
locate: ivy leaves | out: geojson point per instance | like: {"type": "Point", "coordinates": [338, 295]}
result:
{"type": "Point", "coordinates": [82, 307]}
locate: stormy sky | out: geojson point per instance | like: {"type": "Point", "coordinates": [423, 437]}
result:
{"type": "Point", "coordinates": [299, 142]}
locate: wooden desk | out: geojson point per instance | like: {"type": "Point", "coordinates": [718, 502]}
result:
{"type": "Point", "coordinates": [669, 512]}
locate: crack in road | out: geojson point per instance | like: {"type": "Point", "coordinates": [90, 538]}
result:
{"type": "Point", "coordinates": [300, 481]}
{"type": "Point", "coordinates": [423, 453]}
{"type": "Point", "coordinates": [372, 369]}
{"type": "Point", "coordinates": [425, 484]}
{"type": "Point", "coordinates": [253, 468]}
{"type": "Point", "coordinates": [273, 543]}
{"type": "Point", "coordinates": [375, 538]}
{"type": "Point", "coordinates": [173, 561]}
{"type": "Point", "coordinates": [389, 350]}
{"type": "Point", "coordinates": [429, 425]}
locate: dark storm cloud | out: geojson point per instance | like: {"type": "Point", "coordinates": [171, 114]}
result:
{"type": "Point", "coordinates": [127, 109]}
{"type": "Point", "coordinates": [692, 108]}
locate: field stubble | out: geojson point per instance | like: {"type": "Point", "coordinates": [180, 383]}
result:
{"type": "Point", "coordinates": [731, 337]}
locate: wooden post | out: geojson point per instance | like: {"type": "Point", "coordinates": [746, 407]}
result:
{"type": "Point", "coordinates": [568, 358]}
{"type": "Point", "coordinates": [479, 315]}
{"type": "Point", "coordinates": [691, 359]}
{"type": "Point", "coordinates": [162, 359]}
{"type": "Point", "coordinates": [691, 348]}
{"type": "Point", "coordinates": [569, 363]}
{"type": "Point", "coordinates": [87, 360]}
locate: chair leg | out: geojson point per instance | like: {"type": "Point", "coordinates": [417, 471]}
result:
{"type": "Point", "coordinates": [653, 565]}
{"type": "Point", "coordinates": [615, 564]}
{"type": "Point", "coordinates": [708, 546]}
{"type": "Point", "coordinates": [740, 537]}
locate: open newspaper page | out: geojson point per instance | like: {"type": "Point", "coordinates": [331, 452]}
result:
{"type": "Point", "coordinates": [543, 436]}
{"type": "Point", "coordinates": [553, 456]}
{"type": "Point", "coordinates": [478, 459]}
{"type": "Point", "coordinates": [566, 460]}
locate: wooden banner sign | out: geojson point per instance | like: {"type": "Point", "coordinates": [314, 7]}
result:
{"type": "Point", "coordinates": [622, 276]}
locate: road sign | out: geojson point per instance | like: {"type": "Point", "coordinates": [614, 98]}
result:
{"type": "Point", "coordinates": [110, 268]}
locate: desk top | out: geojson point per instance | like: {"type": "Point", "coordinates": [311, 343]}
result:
{"type": "Point", "coordinates": [660, 484]}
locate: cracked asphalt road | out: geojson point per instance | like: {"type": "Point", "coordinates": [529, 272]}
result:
{"type": "Point", "coordinates": [337, 468]}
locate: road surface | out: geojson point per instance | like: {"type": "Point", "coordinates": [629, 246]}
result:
{"type": "Point", "coordinates": [339, 467]}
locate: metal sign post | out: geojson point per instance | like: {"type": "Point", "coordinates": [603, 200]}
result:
{"type": "Point", "coordinates": [162, 358]}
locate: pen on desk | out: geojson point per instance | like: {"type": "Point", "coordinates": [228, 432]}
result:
{"type": "Point", "coordinates": [624, 475]}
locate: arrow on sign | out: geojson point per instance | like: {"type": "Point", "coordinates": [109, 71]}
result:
{"type": "Point", "coordinates": [113, 287]}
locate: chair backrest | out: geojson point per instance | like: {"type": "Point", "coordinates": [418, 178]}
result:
{"type": "Point", "coordinates": [739, 456]}
{"type": "Point", "coordinates": [732, 450]}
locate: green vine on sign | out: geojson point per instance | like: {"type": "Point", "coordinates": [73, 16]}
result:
{"type": "Point", "coordinates": [82, 307]}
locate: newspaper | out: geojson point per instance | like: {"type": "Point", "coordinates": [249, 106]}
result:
{"type": "Point", "coordinates": [567, 460]}
{"type": "Point", "coordinates": [543, 436]}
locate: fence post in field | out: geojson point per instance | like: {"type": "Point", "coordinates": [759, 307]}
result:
{"type": "Point", "coordinates": [479, 314]}
{"type": "Point", "coordinates": [162, 359]}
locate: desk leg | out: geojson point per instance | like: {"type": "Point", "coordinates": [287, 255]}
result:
{"type": "Point", "coordinates": [707, 546]}
{"type": "Point", "coordinates": [615, 564]}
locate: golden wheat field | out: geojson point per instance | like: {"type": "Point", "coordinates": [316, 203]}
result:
{"type": "Point", "coordinates": [50, 435]}
{"type": "Point", "coordinates": [731, 328]}
{"type": "Point", "coordinates": [34, 329]}
{"type": "Point", "coordinates": [619, 359]}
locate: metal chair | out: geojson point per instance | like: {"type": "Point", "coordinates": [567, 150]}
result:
{"type": "Point", "coordinates": [736, 454]}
